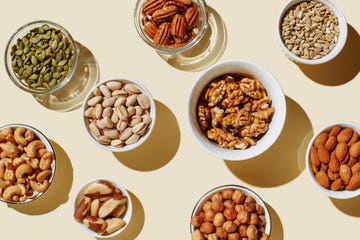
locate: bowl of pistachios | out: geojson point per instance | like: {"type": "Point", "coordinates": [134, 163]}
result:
{"type": "Point", "coordinates": [41, 57]}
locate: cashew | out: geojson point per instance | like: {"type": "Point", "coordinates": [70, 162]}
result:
{"type": "Point", "coordinates": [29, 135]}
{"type": "Point", "coordinates": [43, 175]}
{"type": "Point", "coordinates": [4, 133]}
{"type": "Point", "coordinates": [33, 162]}
{"type": "Point", "coordinates": [39, 187]}
{"type": "Point", "coordinates": [4, 184]}
{"type": "Point", "coordinates": [9, 172]}
{"type": "Point", "coordinates": [17, 161]}
{"type": "Point", "coordinates": [11, 191]}
{"type": "Point", "coordinates": [9, 149]}
{"type": "Point", "coordinates": [46, 160]}
{"type": "Point", "coordinates": [3, 163]}
{"type": "Point", "coordinates": [19, 136]}
{"type": "Point", "coordinates": [22, 170]}
{"type": "Point", "coordinates": [33, 147]}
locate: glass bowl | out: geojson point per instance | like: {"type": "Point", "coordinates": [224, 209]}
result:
{"type": "Point", "coordinates": [199, 29]}
{"type": "Point", "coordinates": [41, 57]}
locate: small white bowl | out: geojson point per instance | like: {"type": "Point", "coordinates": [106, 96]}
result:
{"type": "Point", "coordinates": [126, 217]}
{"type": "Point", "coordinates": [274, 91]}
{"type": "Point", "coordinates": [340, 194]}
{"type": "Point", "coordinates": [247, 191]}
{"type": "Point", "coordinates": [343, 31]}
{"type": "Point", "coordinates": [152, 113]}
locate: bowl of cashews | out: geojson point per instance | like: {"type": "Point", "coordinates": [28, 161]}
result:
{"type": "Point", "coordinates": [27, 163]}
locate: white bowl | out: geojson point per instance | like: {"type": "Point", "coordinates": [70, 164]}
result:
{"type": "Point", "coordinates": [247, 191]}
{"type": "Point", "coordinates": [273, 89]}
{"type": "Point", "coordinates": [343, 29]}
{"type": "Point", "coordinates": [150, 127]}
{"type": "Point", "coordinates": [48, 145]}
{"type": "Point", "coordinates": [340, 194]}
{"type": "Point", "coordinates": [126, 217]}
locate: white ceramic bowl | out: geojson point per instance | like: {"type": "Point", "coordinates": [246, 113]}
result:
{"type": "Point", "coordinates": [48, 145]}
{"type": "Point", "coordinates": [152, 113]}
{"type": "Point", "coordinates": [126, 216]}
{"type": "Point", "coordinates": [343, 31]}
{"type": "Point", "coordinates": [247, 191]}
{"type": "Point", "coordinates": [273, 89]}
{"type": "Point", "coordinates": [339, 194]}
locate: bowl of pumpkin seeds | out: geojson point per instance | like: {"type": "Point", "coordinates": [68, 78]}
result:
{"type": "Point", "coordinates": [41, 57]}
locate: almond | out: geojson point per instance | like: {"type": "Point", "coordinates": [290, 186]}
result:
{"type": "Point", "coordinates": [336, 184]}
{"type": "Point", "coordinates": [341, 151]}
{"type": "Point", "coordinates": [354, 183]}
{"type": "Point", "coordinates": [314, 159]}
{"type": "Point", "coordinates": [353, 139]}
{"type": "Point", "coordinates": [323, 154]}
{"type": "Point", "coordinates": [345, 173]}
{"type": "Point", "coordinates": [355, 169]}
{"type": "Point", "coordinates": [345, 134]}
{"type": "Point", "coordinates": [334, 164]}
{"type": "Point", "coordinates": [354, 150]}
{"type": "Point", "coordinates": [331, 143]}
{"type": "Point", "coordinates": [335, 130]}
{"type": "Point", "coordinates": [352, 161]}
{"type": "Point", "coordinates": [323, 179]}
{"type": "Point", "coordinates": [321, 139]}
{"type": "Point", "coordinates": [332, 175]}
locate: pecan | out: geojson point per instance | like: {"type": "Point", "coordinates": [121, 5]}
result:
{"type": "Point", "coordinates": [162, 36]}
{"type": "Point", "coordinates": [150, 6]}
{"type": "Point", "coordinates": [164, 13]}
{"type": "Point", "coordinates": [150, 29]}
{"type": "Point", "coordinates": [185, 2]}
{"type": "Point", "coordinates": [191, 16]}
{"type": "Point", "coordinates": [178, 26]}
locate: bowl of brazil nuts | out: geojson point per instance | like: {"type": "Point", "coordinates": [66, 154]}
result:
{"type": "Point", "coordinates": [103, 208]}
{"type": "Point", "coordinates": [119, 114]}
{"type": "Point", "coordinates": [333, 159]}
{"type": "Point", "coordinates": [27, 163]}
{"type": "Point", "coordinates": [236, 109]}
{"type": "Point", "coordinates": [230, 212]}
{"type": "Point", "coordinates": [311, 32]}
{"type": "Point", "coordinates": [171, 26]}
{"type": "Point", "coordinates": [41, 57]}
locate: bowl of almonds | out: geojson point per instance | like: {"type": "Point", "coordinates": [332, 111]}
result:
{"type": "Point", "coordinates": [311, 32]}
{"type": "Point", "coordinates": [332, 159]}
{"type": "Point", "coordinates": [236, 109]}
{"type": "Point", "coordinates": [41, 57]}
{"type": "Point", "coordinates": [119, 114]}
{"type": "Point", "coordinates": [171, 26]}
{"type": "Point", "coordinates": [230, 212]}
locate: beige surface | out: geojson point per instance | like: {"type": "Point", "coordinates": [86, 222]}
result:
{"type": "Point", "coordinates": [171, 171]}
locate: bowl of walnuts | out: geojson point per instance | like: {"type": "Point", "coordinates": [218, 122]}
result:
{"type": "Point", "coordinates": [236, 109]}
{"type": "Point", "coordinates": [230, 212]}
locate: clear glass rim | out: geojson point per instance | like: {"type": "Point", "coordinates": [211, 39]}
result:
{"type": "Point", "coordinates": [23, 30]}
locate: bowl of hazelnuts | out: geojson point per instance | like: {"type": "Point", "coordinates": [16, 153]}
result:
{"type": "Point", "coordinates": [230, 212]}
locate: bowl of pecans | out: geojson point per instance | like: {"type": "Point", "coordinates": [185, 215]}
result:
{"type": "Point", "coordinates": [236, 109]}
{"type": "Point", "coordinates": [332, 159]}
{"type": "Point", "coordinates": [311, 32]}
{"type": "Point", "coordinates": [171, 26]}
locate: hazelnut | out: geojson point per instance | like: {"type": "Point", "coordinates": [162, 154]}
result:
{"type": "Point", "coordinates": [227, 194]}
{"type": "Point", "coordinates": [234, 236]}
{"type": "Point", "coordinates": [217, 206]}
{"type": "Point", "coordinates": [206, 205]}
{"type": "Point", "coordinates": [262, 220]}
{"type": "Point", "coordinates": [230, 227]}
{"type": "Point", "coordinates": [216, 197]}
{"type": "Point", "coordinates": [238, 196]}
{"type": "Point", "coordinates": [212, 236]}
{"type": "Point", "coordinates": [243, 216]}
{"type": "Point", "coordinates": [252, 232]}
{"type": "Point", "coordinates": [243, 231]}
{"type": "Point", "coordinates": [196, 221]}
{"type": "Point", "coordinates": [219, 219]}
{"type": "Point", "coordinates": [265, 237]}
{"type": "Point", "coordinates": [221, 233]}
{"type": "Point", "coordinates": [209, 215]}
{"type": "Point", "coordinates": [229, 204]}
{"type": "Point", "coordinates": [239, 207]}
{"type": "Point", "coordinates": [197, 235]}
{"type": "Point", "coordinates": [207, 227]}
{"type": "Point", "coordinates": [230, 213]}
{"type": "Point", "coordinates": [254, 219]}
{"type": "Point", "coordinates": [259, 209]}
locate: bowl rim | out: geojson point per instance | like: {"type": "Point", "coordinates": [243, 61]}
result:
{"type": "Point", "coordinates": [343, 32]}
{"type": "Point", "coordinates": [247, 191]}
{"type": "Point", "coordinates": [22, 31]}
{"type": "Point", "coordinates": [48, 146]}
{"type": "Point", "coordinates": [153, 114]}
{"type": "Point", "coordinates": [202, 29]}
{"type": "Point", "coordinates": [129, 209]}
{"type": "Point", "coordinates": [344, 194]}
{"type": "Point", "coordinates": [277, 96]}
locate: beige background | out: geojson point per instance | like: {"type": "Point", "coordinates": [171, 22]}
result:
{"type": "Point", "coordinates": [169, 173]}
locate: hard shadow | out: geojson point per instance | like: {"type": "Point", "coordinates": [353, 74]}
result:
{"type": "Point", "coordinates": [348, 206]}
{"type": "Point", "coordinates": [57, 193]}
{"type": "Point", "coordinates": [136, 223]}
{"type": "Point", "coordinates": [71, 96]}
{"type": "Point", "coordinates": [159, 148]}
{"type": "Point", "coordinates": [280, 163]}
{"type": "Point", "coordinates": [209, 49]}
{"type": "Point", "coordinates": [277, 231]}
{"type": "Point", "coordinates": [340, 70]}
